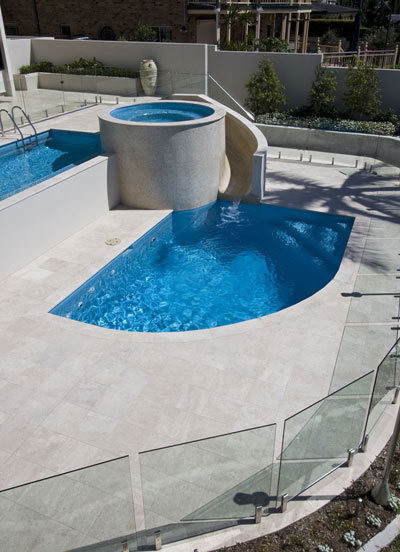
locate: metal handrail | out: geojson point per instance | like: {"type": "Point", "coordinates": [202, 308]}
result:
{"type": "Point", "coordinates": [16, 127]}
{"type": "Point", "coordinates": [27, 118]}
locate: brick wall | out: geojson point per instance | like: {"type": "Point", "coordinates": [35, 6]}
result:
{"type": "Point", "coordinates": [89, 17]}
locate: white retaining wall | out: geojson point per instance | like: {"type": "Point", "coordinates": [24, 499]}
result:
{"type": "Point", "coordinates": [384, 148]}
{"type": "Point", "coordinates": [38, 218]}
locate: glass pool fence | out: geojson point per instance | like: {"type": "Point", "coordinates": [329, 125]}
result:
{"type": "Point", "coordinates": [194, 488]}
{"type": "Point", "coordinates": [57, 93]}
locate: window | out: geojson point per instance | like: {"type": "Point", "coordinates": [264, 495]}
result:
{"type": "Point", "coordinates": [164, 34]}
{"type": "Point", "coordinates": [65, 31]}
{"type": "Point", "coordinates": [107, 33]}
{"type": "Point", "coordinates": [11, 29]}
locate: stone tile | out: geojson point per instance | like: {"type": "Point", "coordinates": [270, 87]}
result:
{"type": "Point", "coordinates": [86, 393]}
{"type": "Point", "coordinates": [378, 300]}
{"type": "Point", "coordinates": [14, 432]}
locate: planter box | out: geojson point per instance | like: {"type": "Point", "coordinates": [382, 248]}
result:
{"type": "Point", "coordinates": [87, 83]}
{"type": "Point", "coordinates": [26, 82]}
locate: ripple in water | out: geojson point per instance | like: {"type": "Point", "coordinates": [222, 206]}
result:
{"type": "Point", "coordinates": [208, 267]}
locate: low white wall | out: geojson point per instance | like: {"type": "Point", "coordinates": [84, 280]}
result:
{"type": "Point", "coordinates": [38, 218]}
{"type": "Point", "coordinates": [169, 56]}
{"type": "Point", "coordinates": [88, 83]}
{"type": "Point", "coordinates": [384, 148]}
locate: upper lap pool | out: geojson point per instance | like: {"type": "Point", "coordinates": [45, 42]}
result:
{"type": "Point", "coordinates": [212, 266]}
{"type": "Point", "coordinates": [162, 112]}
{"type": "Point", "coordinates": [57, 151]}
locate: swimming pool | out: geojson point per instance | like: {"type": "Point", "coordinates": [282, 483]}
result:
{"type": "Point", "coordinates": [57, 151]}
{"type": "Point", "coordinates": [162, 112]}
{"type": "Point", "coordinates": [212, 266]}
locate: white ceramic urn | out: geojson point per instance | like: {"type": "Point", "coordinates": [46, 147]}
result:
{"type": "Point", "coordinates": [148, 76]}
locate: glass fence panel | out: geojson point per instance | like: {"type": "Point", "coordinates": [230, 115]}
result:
{"type": "Point", "coordinates": [169, 82]}
{"type": "Point", "coordinates": [316, 440]}
{"type": "Point", "coordinates": [68, 511]}
{"type": "Point", "coordinates": [219, 478]}
{"type": "Point", "coordinates": [387, 378]}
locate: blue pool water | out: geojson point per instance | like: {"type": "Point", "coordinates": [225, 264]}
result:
{"type": "Point", "coordinates": [213, 266]}
{"type": "Point", "coordinates": [57, 151]}
{"type": "Point", "coordinates": [162, 112]}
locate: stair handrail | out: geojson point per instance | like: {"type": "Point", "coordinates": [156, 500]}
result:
{"type": "Point", "coordinates": [27, 118]}
{"type": "Point", "coordinates": [16, 127]}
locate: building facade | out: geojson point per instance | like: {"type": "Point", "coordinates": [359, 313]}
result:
{"type": "Point", "coordinates": [172, 20]}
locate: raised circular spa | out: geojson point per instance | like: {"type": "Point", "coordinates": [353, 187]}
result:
{"type": "Point", "coordinates": [170, 155]}
{"type": "Point", "coordinates": [162, 112]}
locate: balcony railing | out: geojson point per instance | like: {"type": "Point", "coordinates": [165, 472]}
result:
{"type": "Point", "coordinates": [212, 4]}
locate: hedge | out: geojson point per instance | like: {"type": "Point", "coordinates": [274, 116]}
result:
{"type": "Point", "coordinates": [343, 27]}
{"type": "Point", "coordinates": [321, 123]}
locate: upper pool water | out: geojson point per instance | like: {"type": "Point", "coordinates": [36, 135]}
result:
{"type": "Point", "coordinates": [57, 151]}
{"type": "Point", "coordinates": [213, 266]}
{"type": "Point", "coordinates": [162, 112]}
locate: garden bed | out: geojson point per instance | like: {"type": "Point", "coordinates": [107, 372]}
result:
{"type": "Point", "coordinates": [325, 123]}
{"type": "Point", "coordinates": [328, 525]}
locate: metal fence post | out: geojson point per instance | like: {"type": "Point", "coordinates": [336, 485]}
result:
{"type": "Point", "coordinates": [157, 540]}
{"type": "Point", "coordinates": [284, 502]}
{"type": "Point", "coordinates": [350, 457]}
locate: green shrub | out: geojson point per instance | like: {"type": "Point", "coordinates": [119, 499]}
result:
{"type": "Point", "coordinates": [265, 90]}
{"type": "Point", "coordinates": [323, 93]}
{"type": "Point", "coordinates": [323, 123]}
{"type": "Point", "coordinates": [271, 44]}
{"type": "Point", "coordinates": [329, 37]}
{"type": "Point", "coordinates": [388, 116]}
{"type": "Point", "coordinates": [238, 47]}
{"type": "Point", "coordinates": [79, 67]}
{"type": "Point", "coordinates": [363, 96]}
{"type": "Point", "coordinates": [144, 33]}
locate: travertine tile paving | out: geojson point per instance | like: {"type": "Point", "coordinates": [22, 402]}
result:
{"type": "Point", "coordinates": [73, 394]}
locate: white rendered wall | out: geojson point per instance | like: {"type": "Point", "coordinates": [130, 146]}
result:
{"type": "Point", "coordinates": [169, 56]}
{"type": "Point", "coordinates": [7, 78]}
{"type": "Point", "coordinates": [38, 218]}
{"type": "Point", "coordinates": [231, 69]}
{"type": "Point", "coordinates": [20, 53]}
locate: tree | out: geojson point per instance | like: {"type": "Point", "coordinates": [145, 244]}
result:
{"type": "Point", "coordinates": [272, 44]}
{"type": "Point", "coordinates": [378, 36]}
{"type": "Point", "coordinates": [363, 95]}
{"type": "Point", "coordinates": [323, 93]}
{"type": "Point", "coordinates": [144, 33]}
{"type": "Point", "coordinates": [265, 91]}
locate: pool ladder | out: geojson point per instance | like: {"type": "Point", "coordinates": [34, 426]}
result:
{"type": "Point", "coordinates": [16, 126]}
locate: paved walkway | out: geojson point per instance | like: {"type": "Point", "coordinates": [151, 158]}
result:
{"type": "Point", "coordinates": [73, 394]}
